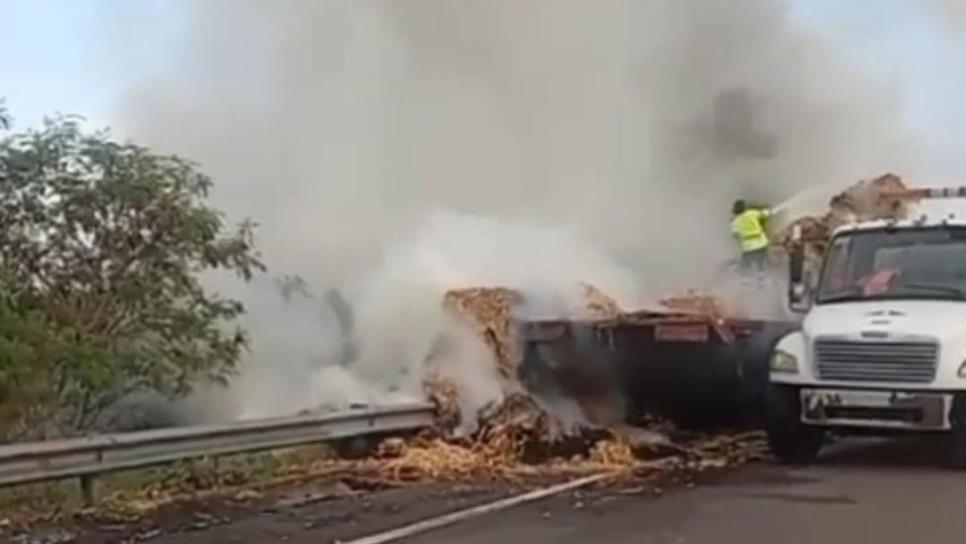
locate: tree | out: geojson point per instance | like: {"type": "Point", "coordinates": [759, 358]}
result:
{"type": "Point", "coordinates": [102, 247]}
{"type": "Point", "coordinates": [30, 349]}
{"type": "Point", "coordinates": [5, 120]}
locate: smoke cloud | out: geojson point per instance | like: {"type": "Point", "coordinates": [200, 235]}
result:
{"type": "Point", "coordinates": [394, 149]}
{"type": "Point", "coordinates": [951, 12]}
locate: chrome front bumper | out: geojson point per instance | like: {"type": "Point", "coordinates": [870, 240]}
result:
{"type": "Point", "coordinates": [879, 409]}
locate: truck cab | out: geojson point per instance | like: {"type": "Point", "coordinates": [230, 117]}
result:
{"type": "Point", "coordinates": [882, 346]}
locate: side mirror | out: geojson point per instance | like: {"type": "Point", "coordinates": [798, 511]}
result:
{"type": "Point", "coordinates": [799, 298]}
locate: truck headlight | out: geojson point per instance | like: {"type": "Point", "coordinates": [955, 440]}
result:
{"type": "Point", "coordinates": [962, 370]}
{"type": "Point", "coordinates": [783, 362]}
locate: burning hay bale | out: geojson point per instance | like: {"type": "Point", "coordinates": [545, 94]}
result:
{"type": "Point", "coordinates": [865, 200]}
{"type": "Point", "coordinates": [698, 304]}
{"type": "Point", "coordinates": [444, 395]}
{"type": "Point", "coordinates": [815, 235]}
{"type": "Point", "coordinates": [489, 311]}
{"type": "Point", "coordinates": [518, 421]}
{"type": "Point", "coordinates": [514, 434]}
{"type": "Point", "coordinates": [598, 304]}
{"type": "Point", "coordinates": [872, 199]}
{"type": "Point", "coordinates": [517, 426]}
{"type": "Point", "coordinates": [516, 438]}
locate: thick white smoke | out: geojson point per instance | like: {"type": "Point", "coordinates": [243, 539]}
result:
{"type": "Point", "coordinates": [397, 148]}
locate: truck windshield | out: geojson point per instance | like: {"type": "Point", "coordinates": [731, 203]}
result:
{"type": "Point", "coordinates": [921, 263]}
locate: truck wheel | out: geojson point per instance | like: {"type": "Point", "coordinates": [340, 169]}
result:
{"type": "Point", "coordinates": [790, 441]}
{"type": "Point", "coordinates": [955, 454]}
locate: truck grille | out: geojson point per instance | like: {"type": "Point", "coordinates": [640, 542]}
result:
{"type": "Point", "coordinates": [909, 362]}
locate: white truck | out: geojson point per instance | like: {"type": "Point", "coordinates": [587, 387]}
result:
{"type": "Point", "coordinates": [882, 346]}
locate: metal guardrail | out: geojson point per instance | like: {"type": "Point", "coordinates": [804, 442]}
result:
{"type": "Point", "coordinates": [88, 457]}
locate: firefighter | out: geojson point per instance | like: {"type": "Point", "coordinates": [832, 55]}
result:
{"type": "Point", "coordinates": [748, 227]}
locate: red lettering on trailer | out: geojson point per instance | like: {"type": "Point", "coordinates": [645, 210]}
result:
{"type": "Point", "coordinates": [682, 333]}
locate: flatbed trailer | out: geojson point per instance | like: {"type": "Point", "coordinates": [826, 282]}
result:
{"type": "Point", "coordinates": [698, 370]}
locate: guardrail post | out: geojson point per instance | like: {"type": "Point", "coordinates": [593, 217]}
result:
{"type": "Point", "coordinates": [88, 488]}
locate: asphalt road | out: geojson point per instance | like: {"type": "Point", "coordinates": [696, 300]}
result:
{"type": "Point", "coordinates": [880, 493]}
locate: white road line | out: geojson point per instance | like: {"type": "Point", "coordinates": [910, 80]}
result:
{"type": "Point", "coordinates": [461, 515]}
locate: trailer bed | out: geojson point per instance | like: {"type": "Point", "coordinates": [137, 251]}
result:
{"type": "Point", "coordinates": [699, 370]}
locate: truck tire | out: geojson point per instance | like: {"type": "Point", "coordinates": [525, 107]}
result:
{"type": "Point", "coordinates": [955, 451]}
{"type": "Point", "coordinates": [791, 441]}
{"type": "Point", "coordinates": [954, 442]}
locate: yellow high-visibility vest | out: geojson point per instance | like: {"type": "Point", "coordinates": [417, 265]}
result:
{"type": "Point", "coordinates": [749, 228]}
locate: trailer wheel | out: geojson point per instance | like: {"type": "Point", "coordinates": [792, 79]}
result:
{"type": "Point", "coordinates": [791, 441]}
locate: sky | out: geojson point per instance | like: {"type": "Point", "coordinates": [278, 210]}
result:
{"type": "Point", "coordinates": [56, 56]}
{"type": "Point", "coordinates": [914, 48]}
